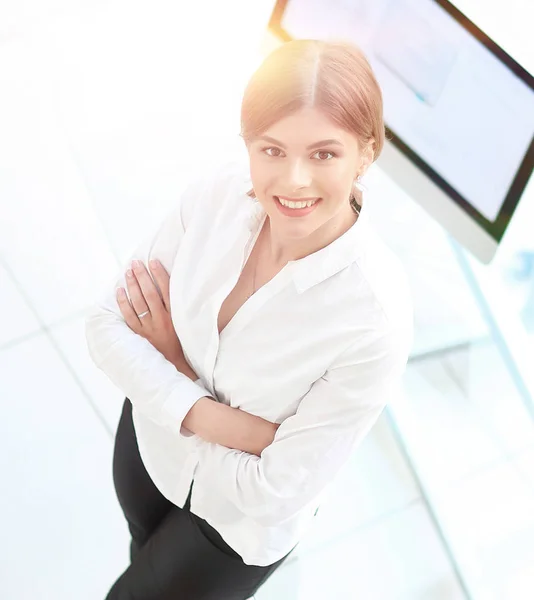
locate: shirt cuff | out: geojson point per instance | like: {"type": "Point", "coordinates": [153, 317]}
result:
{"type": "Point", "coordinates": [180, 403]}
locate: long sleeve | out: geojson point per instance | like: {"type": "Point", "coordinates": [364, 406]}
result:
{"type": "Point", "coordinates": [141, 372]}
{"type": "Point", "coordinates": [311, 446]}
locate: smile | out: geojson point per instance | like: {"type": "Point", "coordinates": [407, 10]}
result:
{"type": "Point", "coordinates": [298, 208]}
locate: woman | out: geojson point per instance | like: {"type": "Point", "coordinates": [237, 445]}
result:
{"type": "Point", "coordinates": [254, 369]}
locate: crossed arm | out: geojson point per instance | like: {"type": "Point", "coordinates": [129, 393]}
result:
{"type": "Point", "coordinates": [212, 421]}
{"type": "Point", "coordinates": [222, 424]}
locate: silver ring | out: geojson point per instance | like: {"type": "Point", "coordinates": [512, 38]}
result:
{"type": "Point", "coordinates": [143, 314]}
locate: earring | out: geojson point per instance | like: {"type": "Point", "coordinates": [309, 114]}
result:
{"type": "Point", "coordinates": [358, 185]}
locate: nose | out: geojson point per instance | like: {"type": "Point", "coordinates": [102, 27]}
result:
{"type": "Point", "coordinates": [298, 175]}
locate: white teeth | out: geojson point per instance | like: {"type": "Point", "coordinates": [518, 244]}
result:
{"type": "Point", "coordinates": [296, 204]}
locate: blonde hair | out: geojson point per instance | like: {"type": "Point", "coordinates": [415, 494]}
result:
{"type": "Point", "coordinates": [332, 76]}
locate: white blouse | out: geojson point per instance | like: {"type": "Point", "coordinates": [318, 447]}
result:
{"type": "Point", "coordinates": [320, 349]}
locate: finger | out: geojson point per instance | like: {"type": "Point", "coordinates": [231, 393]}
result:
{"type": "Point", "coordinates": [147, 288]}
{"type": "Point", "coordinates": [129, 314]}
{"type": "Point", "coordinates": [162, 278]}
{"type": "Point", "coordinates": [135, 292]}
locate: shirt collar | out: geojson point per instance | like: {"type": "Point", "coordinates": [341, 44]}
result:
{"type": "Point", "coordinates": [324, 263]}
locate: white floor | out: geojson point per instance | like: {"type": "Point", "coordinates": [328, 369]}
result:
{"type": "Point", "coordinates": [437, 502]}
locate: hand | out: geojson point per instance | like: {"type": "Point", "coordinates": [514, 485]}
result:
{"type": "Point", "coordinates": [157, 326]}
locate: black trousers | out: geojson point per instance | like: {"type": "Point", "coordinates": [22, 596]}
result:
{"type": "Point", "coordinates": [174, 554]}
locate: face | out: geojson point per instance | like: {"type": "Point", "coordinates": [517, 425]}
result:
{"type": "Point", "coordinates": [305, 155]}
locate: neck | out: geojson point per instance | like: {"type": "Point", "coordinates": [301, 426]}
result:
{"type": "Point", "coordinates": [280, 251]}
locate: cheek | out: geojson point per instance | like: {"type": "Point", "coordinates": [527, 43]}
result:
{"type": "Point", "coordinates": [336, 184]}
{"type": "Point", "coordinates": [261, 175]}
{"type": "Point", "coordinates": [257, 172]}
{"type": "Point", "coordinates": [344, 180]}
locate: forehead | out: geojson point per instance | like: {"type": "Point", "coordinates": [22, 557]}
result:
{"type": "Point", "coordinates": [307, 126]}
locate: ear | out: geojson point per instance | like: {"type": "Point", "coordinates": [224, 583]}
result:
{"type": "Point", "coordinates": [367, 156]}
{"type": "Point", "coordinates": [371, 148]}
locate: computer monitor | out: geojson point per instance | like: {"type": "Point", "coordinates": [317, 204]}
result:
{"type": "Point", "coordinates": [459, 111]}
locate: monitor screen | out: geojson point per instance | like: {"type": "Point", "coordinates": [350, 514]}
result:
{"type": "Point", "coordinates": [455, 103]}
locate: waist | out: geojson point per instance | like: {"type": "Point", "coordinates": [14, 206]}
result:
{"type": "Point", "coordinates": [208, 531]}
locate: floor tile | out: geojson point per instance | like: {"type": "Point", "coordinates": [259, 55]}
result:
{"type": "Point", "coordinates": [490, 523]}
{"type": "Point", "coordinates": [452, 430]}
{"type": "Point", "coordinates": [16, 317]}
{"type": "Point", "coordinates": [523, 463]}
{"type": "Point", "coordinates": [61, 519]}
{"type": "Point", "coordinates": [106, 398]}
{"type": "Point", "coordinates": [50, 235]}
{"type": "Point", "coordinates": [18, 19]}
{"type": "Point", "coordinates": [398, 558]}
{"type": "Point", "coordinates": [483, 377]}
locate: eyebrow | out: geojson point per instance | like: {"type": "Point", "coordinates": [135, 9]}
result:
{"type": "Point", "coordinates": [310, 147]}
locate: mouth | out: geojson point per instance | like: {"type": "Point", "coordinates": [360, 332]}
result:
{"type": "Point", "coordinates": [296, 212]}
{"type": "Point", "coordinates": [290, 199]}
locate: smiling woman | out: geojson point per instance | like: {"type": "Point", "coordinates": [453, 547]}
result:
{"type": "Point", "coordinates": [313, 349]}
{"type": "Point", "coordinates": [311, 134]}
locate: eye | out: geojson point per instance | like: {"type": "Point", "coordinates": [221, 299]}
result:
{"type": "Point", "coordinates": [271, 148]}
{"type": "Point", "coordinates": [332, 154]}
